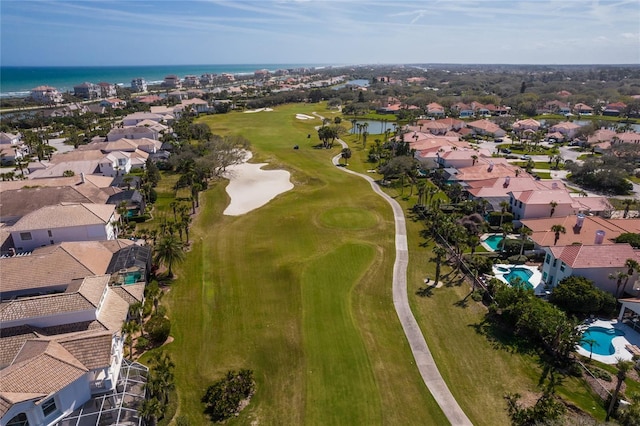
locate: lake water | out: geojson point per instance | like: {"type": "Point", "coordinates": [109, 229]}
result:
{"type": "Point", "coordinates": [375, 127]}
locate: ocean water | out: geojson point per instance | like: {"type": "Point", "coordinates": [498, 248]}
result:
{"type": "Point", "coordinates": [18, 81]}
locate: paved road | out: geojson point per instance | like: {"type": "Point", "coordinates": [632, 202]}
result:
{"type": "Point", "coordinates": [426, 365]}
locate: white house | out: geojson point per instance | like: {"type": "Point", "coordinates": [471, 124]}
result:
{"type": "Point", "coordinates": [133, 132]}
{"type": "Point", "coordinates": [46, 94]}
{"type": "Point", "coordinates": [115, 163]}
{"type": "Point", "coordinates": [65, 222]}
{"type": "Point", "coordinates": [595, 262]}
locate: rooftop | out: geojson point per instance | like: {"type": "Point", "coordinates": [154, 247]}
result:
{"type": "Point", "coordinates": [65, 215]}
{"type": "Point", "coordinates": [543, 236]}
{"type": "Point", "coordinates": [594, 256]}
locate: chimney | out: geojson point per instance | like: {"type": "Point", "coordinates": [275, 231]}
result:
{"type": "Point", "coordinates": [554, 185]}
{"type": "Point", "coordinates": [599, 236]}
{"type": "Point", "coordinates": [82, 177]}
{"type": "Point", "coordinates": [579, 220]}
{"type": "Point", "coordinates": [507, 180]}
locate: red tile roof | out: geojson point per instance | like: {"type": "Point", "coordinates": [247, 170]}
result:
{"type": "Point", "coordinates": [594, 256]}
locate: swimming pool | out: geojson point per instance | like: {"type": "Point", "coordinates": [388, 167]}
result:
{"type": "Point", "coordinates": [529, 277]}
{"type": "Point", "coordinates": [602, 338]}
{"type": "Point", "coordinates": [493, 241]}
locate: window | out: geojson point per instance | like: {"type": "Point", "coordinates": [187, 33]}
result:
{"type": "Point", "coordinates": [520, 204]}
{"type": "Point", "coordinates": [50, 234]}
{"type": "Point", "coordinates": [49, 407]}
{"type": "Point", "coordinates": [547, 259]}
{"type": "Point", "coordinates": [544, 276]}
{"type": "Point", "coordinates": [24, 236]}
{"type": "Point", "coordinates": [562, 265]}
{"type": "Point", "coordinates": [19, 420]}
{"type": "Point", "coordinates": [555, 262]}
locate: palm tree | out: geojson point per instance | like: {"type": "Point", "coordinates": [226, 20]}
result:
{"type": "Point", "coordinates": [169, 251]}
{"type": "Point", "coordinates": [557, 230]}
{"type": "Point", "coordinates": [506, 230]}
{"type": "Point", "coordinates": [346, 154]}
{"type": "Point", "coordinates": [623, 369]}
{"type": "Point", "coordinates": [618, 277]}
{"type": "Point", "coordinates": [553, 205]}
{"type": "Point", "coordinates": [591, 342]}
{"type": "Point", "coordinates": [474, 159]}
{"type": "Point", "coordinates": [150, 410]}
{"type": "Point", "coordinates": [503, 209]}
{"type": "Point", "coordinates": [632, 266]}
{"type": "Point", "coordinates": [439, 253]}
{"type": "Point", "coordinates": [524, 233]}
{"type": "Point", "coordinates": [627, 205]}
{"type": "Point", "coordinates": [129, 328]}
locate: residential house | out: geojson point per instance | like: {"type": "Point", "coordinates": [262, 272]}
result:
{"type": "Point", "coordinates": [115, 163]}
{"type": "Point", "coordinates": [59, 351]}
{"type": "Point", "coordinates": [136, 117]}
{"type": "Point", "coordinates": [10, 139]}
{"type": "Point", "coordinates": [149, 99]}
{"type": "Point", "coordinates": [614, 109]}
{"type": "Point", "coordinates": [482, 170]}
{"type": "Point", "coordinates": [463, 110]}
{"type": "Point", "coordinates": [207, 79]}
{"type": "Point", "coordinates": [627, 137]}
{"type": "Point", "coordinates": [582, 109]}
{"type": "Point", "coordinates": [191, 81]}
{"type": "Point", "coordinates": [113, 103]}
{"type": "Point", "coordinates": [46, 94]}
{"type": "Point", "coordinates": [86, 90]}
{"type": "Point", "coordinates": [566, 128]}
{"type": "Point", "coordinates": [138, 85]}
{"type": "Point", "coordinates": [11, 148]}
{"type": "Point", "coordinates": [496, 189]}
{"type": "Point", "coordinates": [527, 124]}
{"type": "Point", "coordinates": [107, 90]}
{"type": "Point", "coordinates": [541, 203]}
{"type": "Point", "coordinates": [65, 222]}
{"type": "Point", "coordinates": [50, 269]}
{"type": "Point", "coordinates": [479, 109]}
{"type": "Point", "coordinates": [594, 262]}
{"type": "Point", "coordinates": [557, 107]}
{"type": "Point", "coordinates": [435, 109]}
{"type": "Point", "coordinates": [133, 132]}
{"type": "Point", "coordinates": [579, 229]}
{"type": "Point", "coordinates": [486, 128]}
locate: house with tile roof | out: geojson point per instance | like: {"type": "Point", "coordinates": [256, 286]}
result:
{"type": "Point", "coordinates": [594, 262]}
{"type": "Point", "coordinates": [46, 94]}
{"type": "Point", "coordinates": [65, 222]}
{"type": "Point", "coordinates": [435, 109]}
{"type": "Point", "coordinates": [566, 128]}
{"type": "Point", "coordinates": [614, 109]}
{"type": "Point", "coordinates": [583, 109]}
{"type": "Point", "coordinates": [133, 132]}
{"type": "Point", "coordinates": [526, 124]}
{"type": "Point", "coordinates": [50, 269]}
{"type": "Point", "coordinates": [497, 189]}
{"type": "Point", "coordinates": [58, 351]}
{"type": "Point", "coordinates": [486, 128]}
{"type": "Point", "coordinates": [580, 229]}
{"type": "Point", "coordinates": [541, 203]}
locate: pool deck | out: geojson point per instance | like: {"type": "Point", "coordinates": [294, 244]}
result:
{"type": "Point", "coordinates": [535, 280]}
{"type": "Point", "coordinates": [619, 342]}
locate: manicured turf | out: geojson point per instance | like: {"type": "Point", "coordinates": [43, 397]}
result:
{"type": "Point", "coordinates": [298, 291]}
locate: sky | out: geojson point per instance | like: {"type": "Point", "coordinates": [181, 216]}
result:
{"type": "Point", "coordinates": [168, 32]}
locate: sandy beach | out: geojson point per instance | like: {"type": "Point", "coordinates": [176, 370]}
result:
{"type": "Point", "coordinates": [250, 187]}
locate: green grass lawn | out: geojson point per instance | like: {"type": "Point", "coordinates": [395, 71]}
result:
{"type": "Point", "coordinates": [298, 291]}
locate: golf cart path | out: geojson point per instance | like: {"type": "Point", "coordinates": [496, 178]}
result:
{"type": "Point", "coordinates": [424, 360]}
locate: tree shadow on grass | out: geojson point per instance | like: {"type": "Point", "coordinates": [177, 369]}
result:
{"type": "Point", "coordinates": [464, 302]}
{"type": "Point", "coordinates": [426, 291]}
{"type": "Point", "coordinates": [502, 338]}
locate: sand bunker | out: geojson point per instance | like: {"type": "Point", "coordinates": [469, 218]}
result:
{"type": "Point", "coordinates": [304, 117]}
{"type": "Point", "coordinates": [250, 187]}
{"type": "Point", "coordinates": [259, 110]}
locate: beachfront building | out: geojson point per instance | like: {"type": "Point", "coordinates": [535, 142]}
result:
{"type": "Point", "coordinates": [46, 94]}
{"type": "Point", "coordinates": [191, 81]}
{"type": "Point", "coordinates": [207, 79]}
{"type": "Point", "coordinates": [107, 90]}
{"type": "Point", "coordinates": [138, 85]}
{"type": "Point", "coordinates": [86, 90]}
{"type": "Point", "coordinates": [172, 81]}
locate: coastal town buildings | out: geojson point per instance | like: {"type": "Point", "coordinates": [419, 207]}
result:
{"type": "Point", "coordinates": [87, 90]}
{"type": "Point", "coordinates": [138, 85]}
{"type": "Point", "coordinates": [46, 95]}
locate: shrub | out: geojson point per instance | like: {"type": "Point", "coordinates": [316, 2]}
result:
{"type": "Point", "coordinates": [517, 259]}
{"type": "Point", "coordinates": [223, 398]}
{"type": "Point", "coordinates": [578, 295]}
{"type": "Point", "coordinates": [158, 328]}
{"type": "Point", "coordinates": [494, 218]}
{"type": "Point", "coordinates": [601, 374]}
{"type": "Point", "coordinates": [631, 238]}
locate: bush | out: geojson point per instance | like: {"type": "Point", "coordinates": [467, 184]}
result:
{"type": "Point", "coordinates": [578, 295]}
{"type": "Point", "coordinates": [223, 398]}
{"type": "Point", "coordinates": [631, 238]}
{"type": "Point", "coordinates": [158, 328]}
{"type": "Point", "coordinates": [494, 218]}
{"type": "Point", "coordinates": [601, 374]}
{"type": "Point", "coordinates": [517, 259]}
